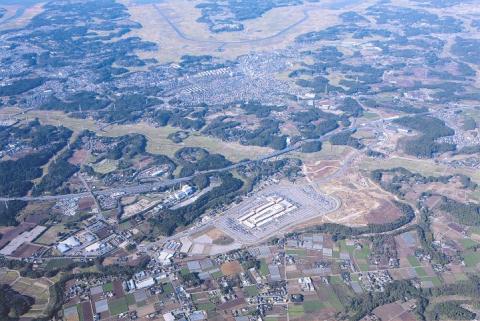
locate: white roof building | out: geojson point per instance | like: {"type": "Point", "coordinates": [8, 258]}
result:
{"type": "Point", "coordinates": [168, 316]}
{"type": "Point", "coordinates": [145, 283]}
{"type": "Point", "coordinates": [63, 248]}
{"type": "Point", "coordinates": [72, 242]}
{"type": "Point", "coordinates": [165, 258]}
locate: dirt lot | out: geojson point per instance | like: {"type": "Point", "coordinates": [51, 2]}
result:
{"type": "Point", "coordinates": [79, 157]}
{"type": "Point", "coordinates": [231, 268]}
{"type": "Point", "coordinates": [386, 212]}
{"type": "Point", "coordinates": [26, 250]}
{"type": "Point", "coordinates": [9, 234]}
{"type": "Point", "coordinates": [362, 200]}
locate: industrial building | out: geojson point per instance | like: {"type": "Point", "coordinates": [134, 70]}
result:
{"type": "Point", "coordinates": [275, 207]}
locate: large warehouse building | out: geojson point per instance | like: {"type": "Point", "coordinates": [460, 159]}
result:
{"type": "Point", "coordinates": [275, 207]}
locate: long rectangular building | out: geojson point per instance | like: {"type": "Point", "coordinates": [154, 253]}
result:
{"type": "Point", "coordinates": [275, 207]}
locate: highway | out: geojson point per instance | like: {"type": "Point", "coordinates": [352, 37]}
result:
{"type": "Point", "coordinates": [150, 187]}
{"type": "Point", "coordinates": [153, 186]}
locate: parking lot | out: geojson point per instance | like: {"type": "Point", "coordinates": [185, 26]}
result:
{"type": "Point", "coordinates": [308, 202]}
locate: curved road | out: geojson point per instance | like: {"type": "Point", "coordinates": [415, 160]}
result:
{"type": "Point", "coordinates": [149, 187]}
{"type": "Point", "coordinates": [184, 36]}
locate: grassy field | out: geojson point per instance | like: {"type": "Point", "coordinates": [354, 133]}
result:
{"type": "Point", "coordinates": [296, 311]}
{"type": "Point", "coordinates": [208, 306]}
{"type": "Point", "coordinates": [263, 268]}
{"type": "Point", "coordinates": [167, 288]}
{"type": "Point", "coordinates": [35, 288]}
{"type": "Point", "coordinates": [336, 279]}
{"type": "Point", "coordinates": [7, 277]}
{"type": "Point", "coordinates": [130, 299]}
{"type": "Point", "coordinates": [251, 290]}
{"type": "Point", "coordinates": [106, 166]}
{"type": "Point", "coordinates": [118, 306]}
{"type": "Point", "coordinates": [58, 263]}
{"type": "Point", "coordinates": [298, 252]}
{"type": "Point", "coordinates": [413, 261]}
{"type": "Point", "coordinates": [467, 243]}
{"type": "Point", "coordinates": [425, 167]}
{"type": "Point", "coordinates": [328, 152]}
{"type": "Point", "coordinates": [198, 38]}
{"type": "Point", "coordinates": [421, 272]}
{"type": "Point", "coordinates": [369, 116]}
{"type": "Point", "coordinates": [108, 287]}
{"type": "Point", "coordinates": [217, 274]}
{"type": "Point", "coordinates": [333, 300]}
{"type": "Point", "coordinates": [158, 143]}
{"type": "Point", "coordinates": [471, 258]}
{"type": "Point", "coordinates": [312, 306]}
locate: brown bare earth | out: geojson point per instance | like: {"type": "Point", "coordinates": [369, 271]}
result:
{"type": "Point", "coordinates": [231, 268]}
{"type": "Point", "coordinates": [85, 204]}
{"type": "Point", "coordinates": [386, 212]}
{"type": "Point", "coordinates": [320, 169]}
{"type": "Point", "coordinates": [79, 157]}
{"type": "Point", "coordinates": [26, 250]}
{"type": "Point", "coordinates": [10, 234]}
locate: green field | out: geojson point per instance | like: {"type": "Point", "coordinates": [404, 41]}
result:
{"type": "Point", "coordinates": [167, 288]}
{"type": "Point", "coordinates": [461, 277]}
{"type": "Point", "coordinates": [296, 311]}
{"type": "Point", "coordinates": [50, 236]}
{"type": "Point", "coordinates": [333, 300]}
{"type": "Point", "coordinates": [251, 290]}
{"type": "Point", "coordinates": [342, 245]}
{"type": "Point", "coordinates": [108, 287]}
{"type": "Point", "coordinates": [421, 272]}
{"type": "Point", "coordinates": [471, 258]}
{"type": "Point", "coordinates": [208, 306]}
{"type": "Point", "coordinates": [369, 116]}
{"type": "Point", "coordinates": [425, 167]}
{"type": "Point", "coordinates": [336, 279]}
{"type": "Point", "coordinates": [312, 306]}
{"type": "Point", "coordinates": [217, 274]}
{"type": "Point", "coordinates": [130, 299]}
{"type": "Point", "coordinates": [157, 137]}
{"type": "Point", "coordinates": [299, 252]}
{"type": "Point", "coordinates": [263, 268]}
{"type": "Point", "coordinates": [105, 166]}
{"type": "Point", "coordinates": [118, 306]}
{"type": "Point", "coordinates": [81, 317]}
{"type": "Point", "coordinates": [362, 254]}
{"type": "Point", "coordinates": [413, 261]}
{"type": "Point", "coordinates": [58, 264]}
{"type": "Point", "coordinates": [435, 280]}
{"type": "Point", "coordinates": [184, 271]}
{"type": "Point", "coordinates": [467, 243]}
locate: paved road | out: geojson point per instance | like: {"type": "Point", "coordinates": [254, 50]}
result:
{"type": "Point", "coordinates": [149, 187]}
{"type": "Point", "coordinates": [184, 36]}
